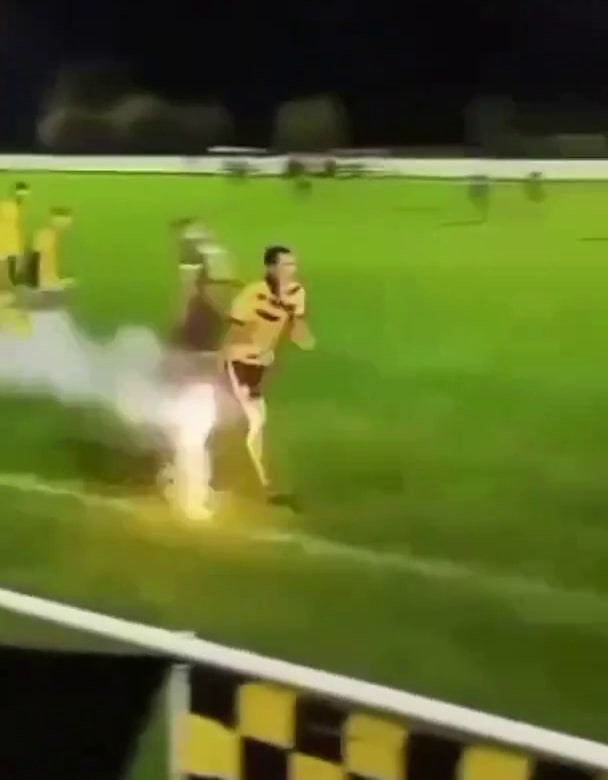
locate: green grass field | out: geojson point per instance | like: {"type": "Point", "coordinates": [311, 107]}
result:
{"type": "Point", "coordinates": [449, 439]}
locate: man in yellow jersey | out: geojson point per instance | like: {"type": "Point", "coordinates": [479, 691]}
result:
{"type": "Point", "coordinates": [11, 231]}
{"type": "Point", "coordinates": [262, 315]}
{"type": "Point", "coordinates": [13, 318]}
{"type": "Point", "coordinates": [43, 272]}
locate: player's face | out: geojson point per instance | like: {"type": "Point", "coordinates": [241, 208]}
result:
{"type": "Point", "coordinates": [286, 269]}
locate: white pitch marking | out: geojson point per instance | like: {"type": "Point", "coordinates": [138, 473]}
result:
{"type": "Point", "coordinates": [30, 483]}
{"type": "Point", "coordinates": [318, 547]}
{"type": "Point", "coordinates": [513, 585]}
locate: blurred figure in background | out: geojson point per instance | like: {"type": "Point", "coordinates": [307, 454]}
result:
{"type": "Point", "coordinates": [12, 232]}
{"type": "Point", "coordinates": [197, 249]}
{"type": "Point", "coordinates": [13, 318]}
{"type": "Point", "coordinates": [192, 367]}
{"type": "Point", "coordinates": [42, 268]}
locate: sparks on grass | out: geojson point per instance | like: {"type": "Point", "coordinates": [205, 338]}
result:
{"type": "Point", "coordinates": [184, 413]}
{"type": "Point", "coordinates": [189, 416]}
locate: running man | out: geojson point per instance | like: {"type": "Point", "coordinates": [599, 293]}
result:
{"type": "Point", "coordinates": [11, 233]}
{"type": "Point", "coordinates": [14, 318]}
{"type": "Point", "coordinates": [261, 316]}
{"type": "Point", "coordinates": [192, 368]}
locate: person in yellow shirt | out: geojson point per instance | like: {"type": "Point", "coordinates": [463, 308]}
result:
{"type": "Point", "coordinates": [11, 239]}
{"type": "Point", "coordinates": [12, 242]}
{"type": "Point", "coordinates": [43, 271]}
{"type": "Point", "coordinates": [13, 318]}
{"type": "Point", "coordinates": [262, 314]}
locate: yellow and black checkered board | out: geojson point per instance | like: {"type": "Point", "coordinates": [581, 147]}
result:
{"type": "Point", "coordinates": [240, 729]}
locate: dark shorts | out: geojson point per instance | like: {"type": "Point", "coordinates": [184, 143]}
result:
{"type": "Point", "coordinates": [12, 264]}
{"type": "Point", "coordinates": [247, 376]}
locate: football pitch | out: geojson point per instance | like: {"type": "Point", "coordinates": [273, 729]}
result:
{"type": "Point", "coordinates": [448, 439]}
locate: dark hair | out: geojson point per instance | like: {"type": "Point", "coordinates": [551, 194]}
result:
{"type": "Point", "coordinates": [272, 254]}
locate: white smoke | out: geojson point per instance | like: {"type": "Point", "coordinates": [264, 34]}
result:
{"type": "Point", "coordinates": [127, 376]}
{"type": "Point", "coordinates": [122, 375]}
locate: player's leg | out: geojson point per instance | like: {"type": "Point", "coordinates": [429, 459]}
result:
{"type": "Point", "coordinates": [245, 381]}
{"type": "Point", "coordinates": [13, 268]}
{"type": "Point", "coordinates": [253, 406]}
{"type": "Point", "coordinates": [30, 271]}
{"type": "Point", "coordinates": [255, 413]}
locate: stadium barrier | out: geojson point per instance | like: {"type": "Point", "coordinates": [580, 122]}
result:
{"type": "Point", "coordinates": [275, 165]}
{"type": "Point", "coordinates": [239, 716]}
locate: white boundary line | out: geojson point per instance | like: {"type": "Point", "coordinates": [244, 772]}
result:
{"type": "Point", "coordinates": [433, 713]}
{"type": "Point", "coordinates": [317, 547]}
{"type": "Point", "coordinates": [30, 483]}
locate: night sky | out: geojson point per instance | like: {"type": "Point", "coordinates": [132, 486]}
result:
{"type": "Point", "coordinates": [405, 75]}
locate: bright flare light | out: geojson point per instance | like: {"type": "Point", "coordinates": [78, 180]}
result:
{"type": "Point", "coordinates": [189, 417]}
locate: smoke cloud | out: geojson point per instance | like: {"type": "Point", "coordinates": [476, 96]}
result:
{"type": "Point", "coordinates": [122, 375]}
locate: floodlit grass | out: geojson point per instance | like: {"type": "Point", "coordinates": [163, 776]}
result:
{"type": "Point", "coordinates": [449, 439]}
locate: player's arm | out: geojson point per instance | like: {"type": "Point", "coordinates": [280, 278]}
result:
{"type": "Point", "coordinates": [300, 333]}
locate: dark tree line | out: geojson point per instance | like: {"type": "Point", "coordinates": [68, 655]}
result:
{"type": "Point", "coordinates": [97, 109]}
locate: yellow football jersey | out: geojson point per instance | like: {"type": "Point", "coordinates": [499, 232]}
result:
{"type": "Point", "coordinates": [11, 239]}
{"type": "Point", "coordinates": [45, 245]}
{"type": "Point", "coordinates": [265, 316]}
{"type": "Point", "coordinates": [6, 283]}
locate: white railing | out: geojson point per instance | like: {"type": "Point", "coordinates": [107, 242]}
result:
{"type": "Point", "coordinates": [558, 170]}
{"type": "Point", "coordinates": [434, 714]}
